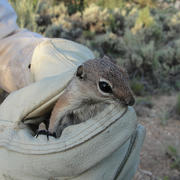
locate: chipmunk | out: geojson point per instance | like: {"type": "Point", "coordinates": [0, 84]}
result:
{"type": "Point", "coordinates": [96, 84]}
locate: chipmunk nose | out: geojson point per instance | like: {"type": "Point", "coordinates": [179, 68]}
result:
{"type": "Point", "coordinates": [130, 101]}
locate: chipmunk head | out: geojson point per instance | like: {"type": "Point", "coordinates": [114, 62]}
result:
{"type": "Point", "coordinates": [101, 79]}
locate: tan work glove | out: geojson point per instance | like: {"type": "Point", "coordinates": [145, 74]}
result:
{"type": "Point", "coordinates": [105, 147]}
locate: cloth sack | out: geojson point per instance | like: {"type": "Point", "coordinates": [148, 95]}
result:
{"type": "Point", "coordinates": [104, 147]}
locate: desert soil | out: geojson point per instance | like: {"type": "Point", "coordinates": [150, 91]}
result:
{"type": "Point", "coordinates": [162, 130]}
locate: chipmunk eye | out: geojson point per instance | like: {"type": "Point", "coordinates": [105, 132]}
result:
{"type": "Point", "coordinates": [105, 87]}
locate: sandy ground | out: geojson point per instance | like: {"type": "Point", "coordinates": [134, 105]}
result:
{"type": "Point", "coordinates": [161, 131]}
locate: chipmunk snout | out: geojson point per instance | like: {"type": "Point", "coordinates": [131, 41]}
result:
{"type": "Point", "coordinates": [129, 101]}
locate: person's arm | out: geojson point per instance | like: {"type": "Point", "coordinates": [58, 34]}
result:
{"type": "Point", "coordinates": [16, 49]}
{"type": "Point", "coordinates": [20, 48]}
{"type": "Point", "coordinates": [7, 19]}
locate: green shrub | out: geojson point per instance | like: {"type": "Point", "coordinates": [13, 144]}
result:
{"type": "Point", "coordinates": [53, 31]}
{"type": "Point", "coordinates": [144, 19]}
{"type": "Point", "coordinates": [88, 34]}
{"type": "Point", "coordinates": [178, 105]}
{"type": "Point", "coordinates": [141, 35]}
{"type": "Point", "coordinates": [96, 19]}
{"type": "Point", "coordinates": [137, 87]}
{"type": "Point", "coordinates": [144, 101]}
{"type": "Point", "coordinates": [177, 85]}
{"type": "Point", "coordinates": [173, 153]}
{"type": "Point", "coordinates": [25, 12]}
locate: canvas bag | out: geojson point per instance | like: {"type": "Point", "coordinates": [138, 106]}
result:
{"type": "Point", "coordinates": [105, 147]}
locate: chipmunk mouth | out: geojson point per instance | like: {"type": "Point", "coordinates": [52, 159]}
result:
{"type": "Point", "coordinates": [118, 102]}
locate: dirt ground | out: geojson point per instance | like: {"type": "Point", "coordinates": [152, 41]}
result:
{"type": "Point", "coordinates": [162, 131]}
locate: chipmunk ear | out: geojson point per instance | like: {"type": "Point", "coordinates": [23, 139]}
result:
{"type": "Point", "coordinates": [106, 57]}
{"type": "Point", "coordinates": [109, 59]}
{"type": "Point", "coordinates": [80, 72]}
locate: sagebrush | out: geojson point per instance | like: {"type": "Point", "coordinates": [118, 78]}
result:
{"type": "Point", "coordinates": [142, 36]}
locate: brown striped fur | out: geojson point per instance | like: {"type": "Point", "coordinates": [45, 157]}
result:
{"type": "Point", "coordinates": [82, 99]}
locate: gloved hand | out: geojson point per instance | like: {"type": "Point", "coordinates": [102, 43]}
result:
{"type": "Point", "coordinates": [105, 147]}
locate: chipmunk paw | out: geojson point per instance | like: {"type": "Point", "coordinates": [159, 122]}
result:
{"type": "Point", "coordinates": [45, 132]}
